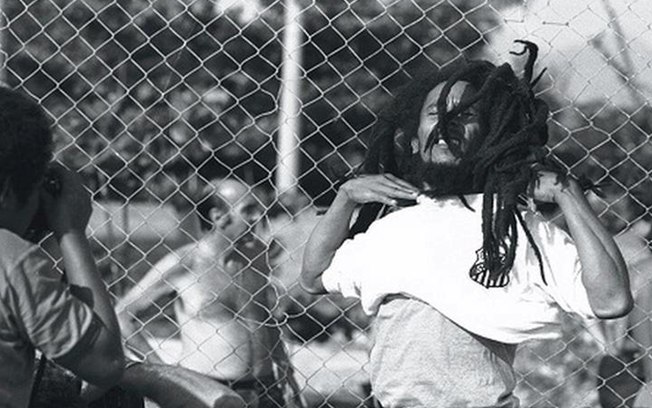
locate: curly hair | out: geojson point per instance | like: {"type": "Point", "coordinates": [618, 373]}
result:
{"type": "Point", "coordinates": [513, 132]}
{"type": "Point", "coordinates": [25, 143]}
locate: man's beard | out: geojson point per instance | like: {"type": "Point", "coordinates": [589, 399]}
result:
{"type": "Point", "coordinates": [441, 179]}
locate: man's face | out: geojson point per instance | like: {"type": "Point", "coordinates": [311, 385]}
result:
{"type": "Point", "coordinates": [464, 128]}
{"type": "Point", "coordinates": [244, 209]}
{"type": "Point", "coordinates": [246, 213]}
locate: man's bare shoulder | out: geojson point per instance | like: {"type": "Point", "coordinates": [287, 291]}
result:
{"type": "Point", "coordinates": [183, 252]}
{"type": "Point", "coordinates": [196, 253]}
{"type": "Point", "coordinates": [184, 256]}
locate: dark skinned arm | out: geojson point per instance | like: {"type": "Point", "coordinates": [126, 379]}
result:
{"type": "Point", "coordinates": [604, 273]}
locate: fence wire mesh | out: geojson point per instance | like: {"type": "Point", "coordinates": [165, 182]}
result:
{"type": "Point", "coordinates": [153, 99]}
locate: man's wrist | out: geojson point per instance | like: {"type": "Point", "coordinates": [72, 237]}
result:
{"type": "Point", "coordinates": [568, 193]}
{"type": "Point", "coordinates": [69, 233]}
{"type": "Point", "coordinates": [343, 198]}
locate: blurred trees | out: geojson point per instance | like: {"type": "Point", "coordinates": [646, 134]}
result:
{"type": "Point", "coordinates": [147, 95]}
{"type": "Point", "coordinates": [609, 145]}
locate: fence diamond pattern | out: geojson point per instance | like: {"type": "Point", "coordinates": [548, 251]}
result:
{"type": "Point", "coordinates": [152, 98]}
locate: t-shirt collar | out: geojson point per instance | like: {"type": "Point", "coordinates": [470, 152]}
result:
{"type": "Point", "coordinates": [473, 200]}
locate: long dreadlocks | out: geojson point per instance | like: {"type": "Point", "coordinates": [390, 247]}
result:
{"type": "Point", "coordinates": [513, 131]}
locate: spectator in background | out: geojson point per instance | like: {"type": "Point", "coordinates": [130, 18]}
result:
{"type": "Point", "coordinates": [458, 280]}
{"type": "Point", "coordinates": [223, 300]}
{"type": "Point", "coordinates": [72, 322]}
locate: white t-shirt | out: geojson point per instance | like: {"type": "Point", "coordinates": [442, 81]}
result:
{"type": "Point", "coordinates": [421, 359]}
{"type": "Point", "coordinates": [427, 250]}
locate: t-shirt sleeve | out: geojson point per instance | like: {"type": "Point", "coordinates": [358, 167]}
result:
{"type": "Point", "coordinates": [54, 321]}
{"type": "Point", "coordinates": [563, 270]}
{"type": "Point", "coordinates": [345, 271]}
{"type": "Point", "coordinates": [352, 264]}
{"type": "Point", "coordinates": [367, 265]}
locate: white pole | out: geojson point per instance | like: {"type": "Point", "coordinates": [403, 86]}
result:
{"type": "Point", "coordinates": [287, 171]}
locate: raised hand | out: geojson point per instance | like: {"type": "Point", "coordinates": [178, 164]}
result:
{"type": "Point", "coordinates": [70, 208]}
{"type": "Point", "coordinates": [333, 228]}
{"type": "Point", "coordinates": [381, 188]}
{"type": "Point", "coordinates": [548, 185]}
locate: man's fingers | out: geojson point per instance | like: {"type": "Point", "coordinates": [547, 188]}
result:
{"type": "Point", "coordinates": [395, 191]}
{"type": "Point", "coordinates": [388, 180]}
{"type": "Point", "coordinates": [386, 189]}
{"type": "Point", "coordinates": [396, 188]}
{"type": "Point", "coordinates": [380, 198]}
{"type": "Point", "coordinates": [379, 194]}
{"type": "Point", "coordinates": [401, 182]}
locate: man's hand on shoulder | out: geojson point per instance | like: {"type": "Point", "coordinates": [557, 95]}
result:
{"type": "Point", "coordinates": [380, 188]}
{"type": "Point", "coordinates": [551, 187]}
{"type": "Point", "coordinates": [333, 228]}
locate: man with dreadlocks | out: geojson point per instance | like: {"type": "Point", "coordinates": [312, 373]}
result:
{"type": "Point", "coordinates": [457, 280]}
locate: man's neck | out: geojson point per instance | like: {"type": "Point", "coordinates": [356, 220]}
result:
{"type": "Point", "coordinates": [439, 180]}
{"type": "Point", "coordinates": [448, 190]}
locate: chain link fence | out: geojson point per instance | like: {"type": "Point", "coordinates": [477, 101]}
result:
{"type": "Point", "coordinates": [152, 99]}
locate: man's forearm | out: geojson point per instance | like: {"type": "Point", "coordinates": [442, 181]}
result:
{"type": "Point", "coordinates": [326, 238]}
{"type": "Point", "coordinates": [604, 273]}
{"type": "Point", "coordinates": [136, 342]}
{"type": "Point", "coordinates": [580, 207]}
{"type": "Point", "coordinates": [82, 275]}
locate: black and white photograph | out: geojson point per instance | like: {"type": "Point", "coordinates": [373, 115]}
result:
{"type": "Point", "coordinates": [325, 204]}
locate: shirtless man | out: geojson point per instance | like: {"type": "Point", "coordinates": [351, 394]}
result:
{"type": "Point", "coordinates": [223, 300]}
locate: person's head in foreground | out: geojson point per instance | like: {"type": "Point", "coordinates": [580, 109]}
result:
{"type": "Point", "coordinates": [25, 151]}
{"type": "Point", "coordinates": [470, 128]}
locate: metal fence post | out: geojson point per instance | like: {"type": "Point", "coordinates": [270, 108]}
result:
{"type": "Point", "coordinates": [287, 170]}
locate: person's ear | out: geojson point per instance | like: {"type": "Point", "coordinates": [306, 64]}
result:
{"type": "Point", "coordinates": [415, 145]}
{"type": "Point", "coordinates": [219, 217]}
